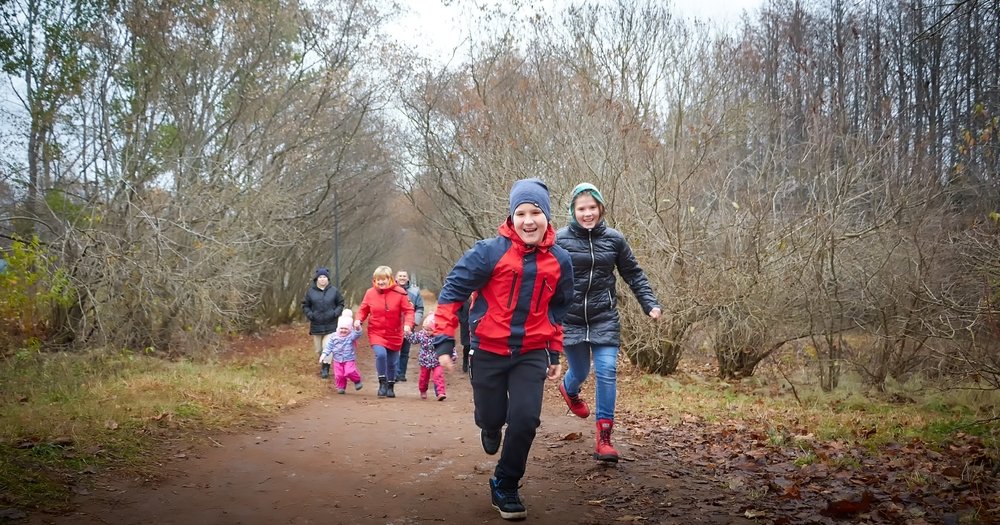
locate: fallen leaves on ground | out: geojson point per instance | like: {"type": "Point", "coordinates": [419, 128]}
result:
{"type": "Point", "coordinates": [731, 466]}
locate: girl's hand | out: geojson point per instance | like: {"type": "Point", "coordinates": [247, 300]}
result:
{"type": "Point", "coordinates": [554, 371]}
{"type": "Point", "coordinates": [357, 325]}
{"type": "Point", "coordinates": [406, 329]}
{"type": "Point", "coordinates": [655, 313]}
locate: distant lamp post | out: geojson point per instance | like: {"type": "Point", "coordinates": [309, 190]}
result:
{"type": "Point", "coordinates": [336, 240]}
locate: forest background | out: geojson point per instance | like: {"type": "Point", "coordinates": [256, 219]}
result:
{"type": "Point", "coordinates": [820, 183]}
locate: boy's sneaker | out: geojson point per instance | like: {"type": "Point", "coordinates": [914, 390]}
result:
{"type": "Point", "coordinates": [507, 501]}
{"type": "Point", "coordinates": [575, 404]}
{"type": "Point", "coordinates": [340, 390]}
{"type": "Point", "coordinates": [357, 386]}
{"type": "Point", "coordinates": [491, 441]}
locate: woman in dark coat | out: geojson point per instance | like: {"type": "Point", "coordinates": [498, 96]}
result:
{"type": "Point", "coordinates": [322, 305]}
{"type": "Point", "coordinates": [591, 325]}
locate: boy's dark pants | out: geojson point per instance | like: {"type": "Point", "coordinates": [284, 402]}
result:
{"type": "Point", "coordinates": [509, 389]}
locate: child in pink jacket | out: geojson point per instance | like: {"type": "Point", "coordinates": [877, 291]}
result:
{"type": "Point", "coordinates": [341, 351]}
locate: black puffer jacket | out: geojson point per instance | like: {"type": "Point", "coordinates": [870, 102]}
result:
{"type": "Point", "coordinates": [593, 315]}
{"type": "Point", "coordinates": [322, 308]}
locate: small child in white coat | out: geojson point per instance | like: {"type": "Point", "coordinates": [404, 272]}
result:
{"type": "Point", "coordinates": [340, 350]}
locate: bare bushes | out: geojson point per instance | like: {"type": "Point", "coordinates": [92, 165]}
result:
{"type": "Point", "coordinates": [164, 279]}
{"type": "Point", "coordinates": [655, 347]}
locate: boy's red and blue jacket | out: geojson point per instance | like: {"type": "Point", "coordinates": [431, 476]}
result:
{"type": "Point", "coordinates": [522, 294]}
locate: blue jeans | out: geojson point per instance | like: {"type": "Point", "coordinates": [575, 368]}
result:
{"type": "Point", "coordinates": [386, 361]}
{"type": "Point", "coordinates": [605, 370]}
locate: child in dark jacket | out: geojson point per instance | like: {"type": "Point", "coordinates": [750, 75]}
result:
{"type": "Point", "coordinates": [430, 367]}
{"type": "Point", "coordinates": [592, 330]}
{"type": "Point", "coordinates": [524, 285]}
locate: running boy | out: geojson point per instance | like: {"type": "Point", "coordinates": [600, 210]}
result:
{"type": "Point", "coordinates": [524, 285]}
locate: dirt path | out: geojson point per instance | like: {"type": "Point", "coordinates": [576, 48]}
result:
{"type": "Point", "coordinates": [357, 459]}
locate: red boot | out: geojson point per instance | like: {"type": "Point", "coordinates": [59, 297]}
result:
{"type": "Point", "coordinates": [604, 451]}
{"type": "Point", "coordinates": [575, 404]}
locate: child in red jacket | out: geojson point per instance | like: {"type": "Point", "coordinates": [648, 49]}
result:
{"type": "Point", "coordinates": [389, 312]}
{"type": "Point", "coordinates": [523, 285]}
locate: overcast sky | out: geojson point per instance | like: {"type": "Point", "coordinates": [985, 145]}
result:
{"type": "Point", "coordinates": [430, 25]}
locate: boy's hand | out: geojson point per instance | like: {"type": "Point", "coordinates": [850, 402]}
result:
{"type": "Point", "coordinates": [445, 349]}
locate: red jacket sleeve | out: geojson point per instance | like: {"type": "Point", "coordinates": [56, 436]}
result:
{"type": "Point", "coordinates": [365, 308]}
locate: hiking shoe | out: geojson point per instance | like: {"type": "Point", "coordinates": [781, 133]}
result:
{"type": "Point", "coordinates": [340, 390]}
{"type": "Point", "coordinates": [507, 501]}
{"type": "Point", "coordinates": [357, 386]}
{"type": "Point", "coordinates": [575, 404]}
{"type": "Point", "coordinates": [401, 379]}
{"type": "Point", "coordinates": [603, 450]}
{"type": "Point", "coordinates": [491, 441]}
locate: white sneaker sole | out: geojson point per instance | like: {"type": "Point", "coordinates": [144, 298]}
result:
{"type": "Point", "coordinates": [512, 515]}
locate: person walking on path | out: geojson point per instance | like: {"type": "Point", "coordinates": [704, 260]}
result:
{"type": "Point", "coordinates": [430, 367]}
{"type": "Point", "coordinates": [523, 284]}
{"type": "Point", "coordinates": [391, 317]}
{"type": "Point", "coordinates": [592, 329]}
{"type": "Point", "coordinates": [341, 350]}
{"type": "Point", "coordinates": [413, 291]}
{"type": "Point", "coordinates": [322, 305]}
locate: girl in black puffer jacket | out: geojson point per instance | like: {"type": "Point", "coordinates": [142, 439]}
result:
{"type": "Point", "coordinates": [591, 327]}
{"type": "Point", "coordinates": [322, 305]}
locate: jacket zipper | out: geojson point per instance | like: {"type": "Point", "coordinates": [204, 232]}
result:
{"type": "Point", "coordinates": [545, 286]}
{"type": "Point", "coordinates": [513, 288]}
{"type": "Point", "coordinates": [590, 283]}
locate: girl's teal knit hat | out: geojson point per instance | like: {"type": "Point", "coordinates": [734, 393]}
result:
{"type": "Point", "coordinates": [580, 188]}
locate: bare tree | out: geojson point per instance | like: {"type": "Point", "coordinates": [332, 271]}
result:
{"type": "Point", "coordinates": [211, 147]}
